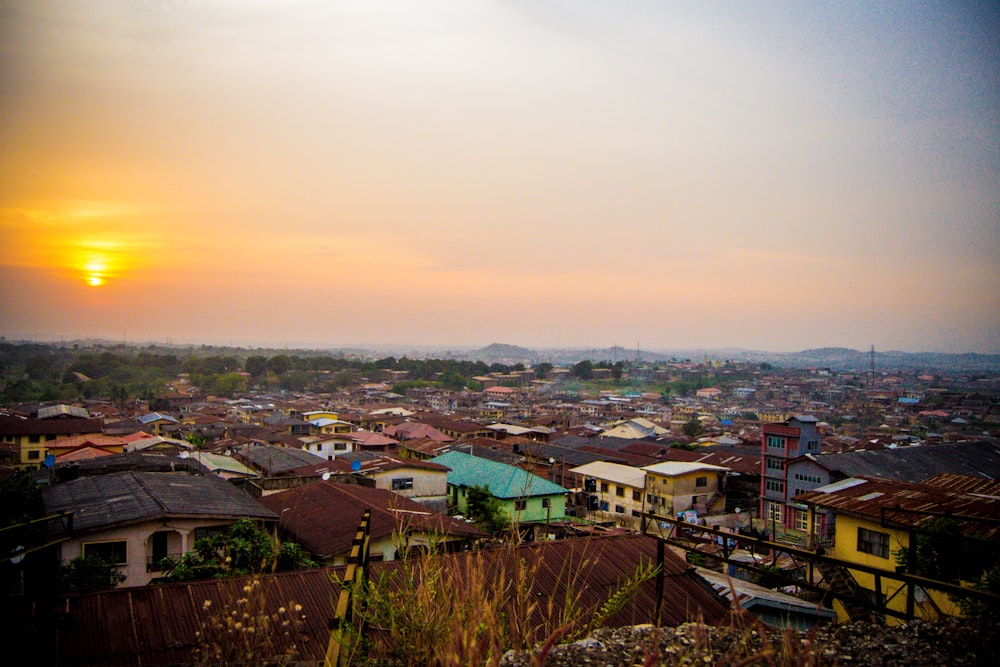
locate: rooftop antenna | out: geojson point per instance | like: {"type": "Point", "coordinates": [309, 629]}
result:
{"type": "Point", "coordinates": [872, 361]}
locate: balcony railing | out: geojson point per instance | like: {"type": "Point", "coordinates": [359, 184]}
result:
{"type": "Point", "coordinates": [153, 563]}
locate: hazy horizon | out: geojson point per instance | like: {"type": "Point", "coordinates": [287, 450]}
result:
{"type": "Point", "coordinates": [560, 173]}
{"type": "Point", "coordinates": [456, 347]}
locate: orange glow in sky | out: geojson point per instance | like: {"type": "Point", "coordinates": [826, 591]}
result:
{"type": "Point", "coordinates": [588, 173]}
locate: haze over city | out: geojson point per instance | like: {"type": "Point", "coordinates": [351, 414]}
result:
{"type": "Point", "coordinates": [684, 175]}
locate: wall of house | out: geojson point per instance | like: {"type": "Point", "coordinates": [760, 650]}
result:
{"type": "Point", "coordinates": [535, 509]}
{"type": "Point", "coordinates": [846, 548]}
{"type": "Point", "coordinates": [678, 493]}
{"type": "Point", "coordinates": [425, 483]}
{"type": "Point", "coordinates": [138, 569]}
{"type": "Point", "coordinates": [329, 448]}
{"type": "Point", "coordinates": [624, 508]}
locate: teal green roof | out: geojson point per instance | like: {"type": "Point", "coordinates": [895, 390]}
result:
{"type": "Point", "coordinates": [502, 480]}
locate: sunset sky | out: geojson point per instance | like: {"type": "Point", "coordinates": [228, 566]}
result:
{"type": "Point", "coordinates": [681, 175]}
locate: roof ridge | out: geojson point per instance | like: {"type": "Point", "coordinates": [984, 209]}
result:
{"type": "Point", "coordinates": [149, 491]}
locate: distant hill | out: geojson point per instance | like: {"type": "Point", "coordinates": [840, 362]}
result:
{"type": "Point", "coordinates": [502, 353]}
{"type": "Point", "coordinates": [838, 358]}
{"type": "Point", "coordinates": [834, 358]}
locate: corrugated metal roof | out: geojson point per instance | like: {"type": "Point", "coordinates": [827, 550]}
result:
{"type": "Point", "coordinates": [502, 480]}
{"type": "Point", "coordinates": [918, 463]}
{"type": "Point", "coordinates": [157, 625]}
{"type": "Point", "coordinates": [275, 460]}
{"type": "Point", "coordinates": [306, 515]}
{"type": "Point", "coordinates": [868, 496]}
{"type": "Point", "coordinates": [613, 472]}
{"type": "Point", "coordinates": [130, 496]}
{"type": "Point", "coordinates": [671, 468]}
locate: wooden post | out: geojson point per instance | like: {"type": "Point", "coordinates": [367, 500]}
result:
{"type": "Point", "coordinates": [658, 615]}
{"type": "Point", "coordinates": [911, 561]}
{"type": "Point", "coordinates": [355, 575]}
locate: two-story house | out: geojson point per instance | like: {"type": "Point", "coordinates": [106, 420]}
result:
{"type": "Point", "coordinates": [673, 487]}
{"type": "Point", "coordinates": [135, 519]}
{"type": "Point", "coordinates": [614, 491]}
{"type": "Point", "coordinates": [25, 441]}
{"type": "Point", "coordinates": [874, 522]}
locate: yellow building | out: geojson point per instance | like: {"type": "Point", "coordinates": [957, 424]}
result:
{"type": "Point", "coordinates": [871, 522]}
{"type": "Point", "coordinates": [24, 442]}
{"type": "Point", "coordinates": [673, 487]}
{"type": "Point", "coordinates": [617, 491]}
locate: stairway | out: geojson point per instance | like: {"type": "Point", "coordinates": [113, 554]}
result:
{"type": "Point", "coordinates": [717, 505]}
{"type": "Point", "coordinates": [839, 580]}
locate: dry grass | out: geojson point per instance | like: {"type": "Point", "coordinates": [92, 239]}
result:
{"type": "Point", "coordinates": [450, 611]}
{"type": "Point", "coordinates": [243, 633]}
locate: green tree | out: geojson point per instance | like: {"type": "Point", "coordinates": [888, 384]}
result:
{"type": "Point", "coordinates": [255, 365]}
{"type": "Point", "coordinates": [85, 574]}
{"type": "Point", "coordinates": [946, 551]}
{"type": "Point", "coordinates": [20, 499]}
{"type": "Point", "coordinates": [583, 370]}
{"type": "Point", "coordinates": [241, 549]}
{"type": "Point", "coordinates": [279, 364]}
{"type": "Point", "coordinates": [228, 384]}
{"type": "Point", "coordinates": [485, 510]}
{"type": "Point", "coordinates": [542, 369]}
{"type": "Point", "coordinates": [692, 428]}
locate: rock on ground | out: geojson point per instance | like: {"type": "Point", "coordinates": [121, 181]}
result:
{"type": "Point", "coordinates": [916, 644]}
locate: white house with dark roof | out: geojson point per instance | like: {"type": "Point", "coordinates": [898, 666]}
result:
{"type": "Point", "coordinates": [135, 519]}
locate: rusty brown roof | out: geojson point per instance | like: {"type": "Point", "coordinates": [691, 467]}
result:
{"type": "Point", "coordinates": [867, 496]}
{"type": "Point", "coordinates": [157, 625]}
{"type": "Point", "coordinates": [323, 517]}
{"type": "Point", "coordinates": [70, 426]}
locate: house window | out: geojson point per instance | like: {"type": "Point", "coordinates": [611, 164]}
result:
{"type": "Point", "coordinates": [637, 496]}
{"type": "Point", "coordinates": [34, 439]}
{"type": "Point", "coordinates": [775, 442]}
{"type": "Point", "coordinates": [775, 485]}
{"type": "Point", "coordinates": [402, 483]}
{"type": "Point", "coordinates": [873, 542]}
{"type": "Point", "coordinates": [620, 491]}
{"type": "Point", "coordinates": [208, 531]}
{"type": "Point", "coordinates": [620, 509]}
{"type": "Point", "coordinates": [604, 487]}
{"type": "Point", "coordinates": [701, 481]}
{"type": "Point", "coordinates": [546, 503]}
{"type": "Point", "coordinates": [802, 520]}
{"type": "Point", "coordinates": [649, 500]}
{"type": "Point", "coordinates": [520, 505]}
{"type": "Point", "coordinates": [774, 511]}
{"type": "Point", "coordinates": [340, 445]}
{"type": "Point", "coordinates": [773, 464]}
{"type": "Point", "coordinates": [34, 454]}
{"type": "Point", "coordinates": [115, 552]}
{"type": "Point", "coordinates": [636, 513]}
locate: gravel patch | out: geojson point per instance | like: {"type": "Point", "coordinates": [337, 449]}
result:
{"type": "Point", "coordinates": [954, 643]}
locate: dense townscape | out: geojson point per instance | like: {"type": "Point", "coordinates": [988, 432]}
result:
{"type": "Point", "coordinates": [172, 505]}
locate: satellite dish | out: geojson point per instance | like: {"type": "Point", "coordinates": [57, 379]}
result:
{"type": "Point", "coordinates": [326, 477]}
{"type": "Point", "coordinates": [355, 465]}
{"type": "Point", "coordinates": [18, 556]}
